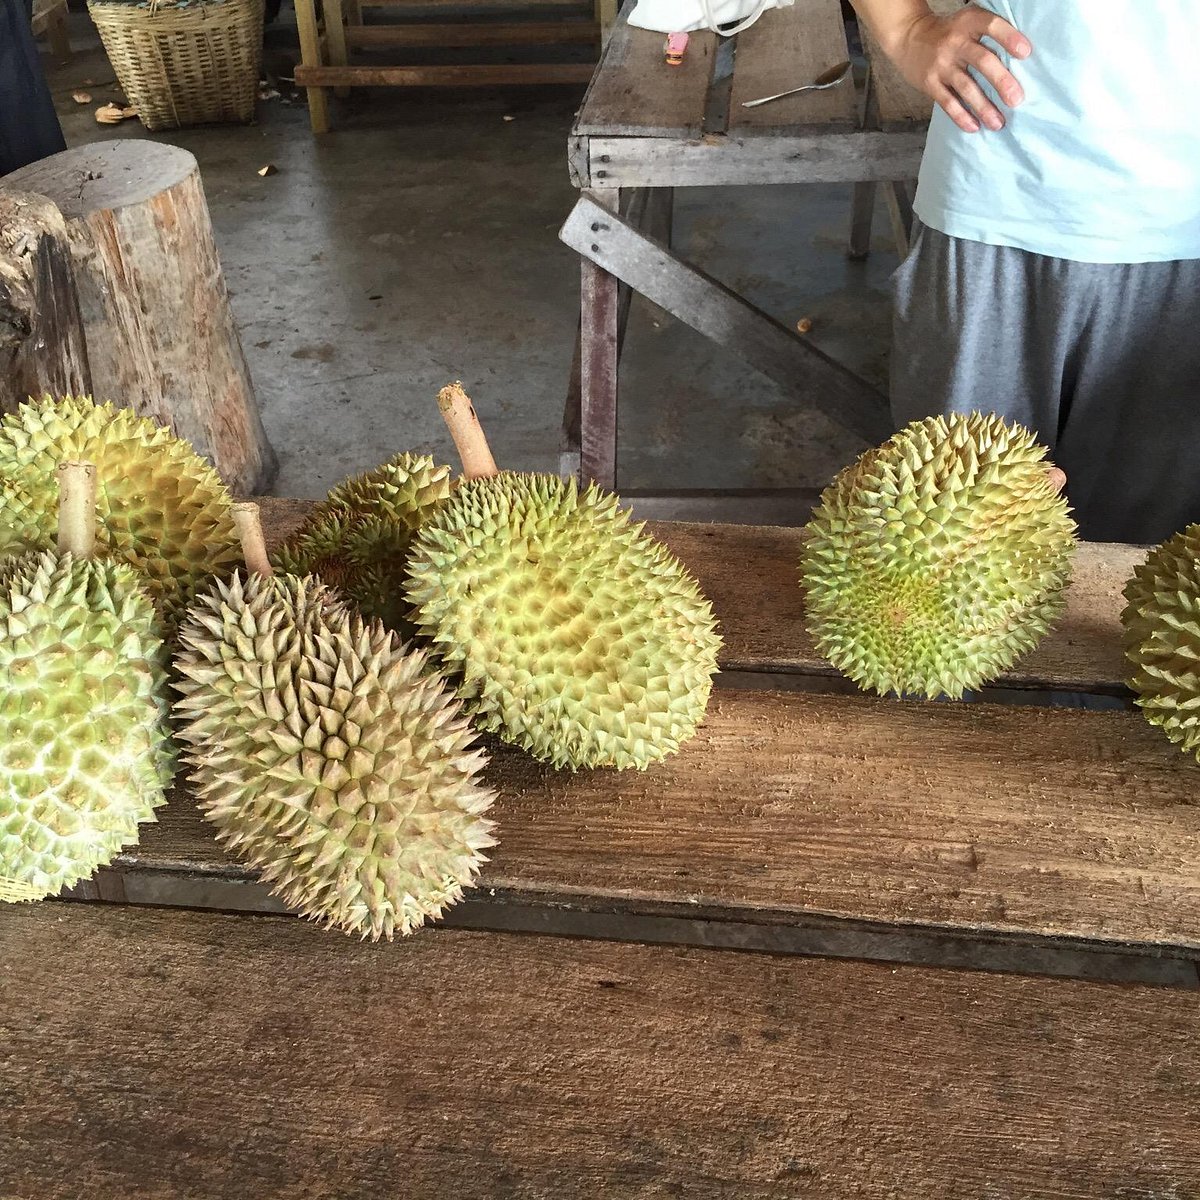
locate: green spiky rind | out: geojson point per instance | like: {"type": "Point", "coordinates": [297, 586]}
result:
{"type": "Point", "coordinates": [159, 507]}
{"type": "Point", "coordinates": [571, 632]}
{"type": "Point", "coordinates": [84, 752]}
{"type": "Point", "coordinates": [357, 540]}
{"type": "Point", "coordinates": [329, 758]}
{"type": "Point", "coordinates": [1161, 624]}
{"type": "Point", "coordinates": [937, 560]}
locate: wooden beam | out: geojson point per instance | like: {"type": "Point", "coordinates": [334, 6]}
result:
{"type": "Point", "coordinates": [720, 314]}
{"type": "Point", "coordinates": [751, 159]}
{"type": "Point", "coordinates": [444, 76]}
{"type": "Point", "coordinates": [600, 318]}
{"type": "Point", "coordinates": [522, 33]}
{"type": "Point", "coordinates": [487, 1066]}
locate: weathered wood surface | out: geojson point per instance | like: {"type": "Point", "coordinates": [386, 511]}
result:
{"type": "Point", "coordinates": [785, 49]}
{"type": "Point", "coordinates": [255, 1058]}
{"type": "Point", "coordinates": [709, 161]}
{"type": "Point", "coordinates": [467, 75]}
{"type": "Point", "coordinates": [1048, 823]}
{"type": "Point", "coordinates": [634, 92]}
{"type": "Point", "coordinates": [599, 355]}
{"type": "Point", "coordinates": [42, 345]}
{"type": "Point", "coordinates": [520, 33]}
{"type": "Point", "coordinates": [751, 575]}
{"type": "Point", "coordinates": [651, 270]}
{"type": "Point", "coordinates": [160, 331]}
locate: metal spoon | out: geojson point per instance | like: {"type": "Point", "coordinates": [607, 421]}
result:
{"type": "Point", "coordinates": [826, 79]}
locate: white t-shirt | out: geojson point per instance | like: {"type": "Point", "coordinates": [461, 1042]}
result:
{"type": "Point", "coordinates": [1101, 163]}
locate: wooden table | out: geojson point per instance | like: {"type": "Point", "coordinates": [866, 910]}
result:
{"type": "Point", "coordinates": [755, 984]}
{"type": "Point", "coordinates": [646, 129]}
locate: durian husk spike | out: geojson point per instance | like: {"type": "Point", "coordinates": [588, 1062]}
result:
{"type": "Point", "coordinates": [76, 508]}
{"type": "Point", "coordinates": [469, 440]}
{"type": "Point", "coordinates": [248, 522]}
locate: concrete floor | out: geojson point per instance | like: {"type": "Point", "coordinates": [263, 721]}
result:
{"type": "Point", "coordinates": [417, 243]}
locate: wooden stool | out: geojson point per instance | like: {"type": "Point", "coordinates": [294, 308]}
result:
{"type": "Point", "coordinates": [50, 18]}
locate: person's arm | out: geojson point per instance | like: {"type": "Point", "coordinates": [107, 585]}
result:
{"type": "Point", "coordinates": [933, 54]}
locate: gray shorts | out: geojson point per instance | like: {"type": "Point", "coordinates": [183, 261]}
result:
{"type": "Point", "coordinates": [1102, 360]}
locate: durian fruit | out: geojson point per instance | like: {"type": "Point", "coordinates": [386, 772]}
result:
{"type": "Point", "coordinates": [84, 754]}
{"type": "Point", "coordinates": [1162, 637]}
{"type": "Point", "coordinates": [160, 507]}
{"type": "Point", "coordinates": [570, 632]}
{"type": "Point", "coordinates": [326, 754]}
{"type": "Point", "coordinates": [937, 560]}
{"type": "Point", "coordinates": [357, 540]}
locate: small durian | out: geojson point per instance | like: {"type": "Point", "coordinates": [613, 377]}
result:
{"type": "Point", "coordinates": [357, 539]}
{"type": "Point", "coordinates": [84, 752]}
{"type": "Point", "coordinates": [570, 632]}
{"type": "Point", "coordinates": [326, 754]}
{"type": "Point", "coordinates": [1161, 621]}
{"type": "Point", "coordinates": [160, 507]}
{"type": "Point", "coordinates": [937, 560]}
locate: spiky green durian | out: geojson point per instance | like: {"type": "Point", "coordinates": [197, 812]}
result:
{"type": "Point", "coordinates": [1162, 637]}
{"type": "Point", "coordinates": [328, 757]}
{"type": "Point", "coordinates": [160, 507]}
{"type": "Point", "coordinates": [357, 539]}
{"type": "Point", "coordinates": [571, 632]}
{"type": "Point", "coordinates": [937, 560]}
{"type": "Point", "coordinates": [84, 756]}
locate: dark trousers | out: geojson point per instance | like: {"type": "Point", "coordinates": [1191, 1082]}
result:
{"type": "Point", "coordinates": [29, 127]}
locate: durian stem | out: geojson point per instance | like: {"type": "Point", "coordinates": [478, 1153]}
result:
{"type": "Point", "coordinates": [1058, 478]}
{"type": "Point", "coordinates": [76, 509]}
{"type": "Point", "coordinates": [254, 545]}
{"type": "Point", "coordinates": [459, 414]}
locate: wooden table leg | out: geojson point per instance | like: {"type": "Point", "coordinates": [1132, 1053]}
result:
{"type": "Point", "coordinates": [899, 201]}
{"type": "Point", "coordinates": [606, 17]}
{"type": "Point", "coordinates": [335, 39]}
{"type": "Point", "coordinates": [598, 317]}
{"type": "Point", "coordinates": [862, 218]}
{"type": "Point", "coordinates": [310, 56]}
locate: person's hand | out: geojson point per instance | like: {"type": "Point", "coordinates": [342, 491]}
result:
{"type": "Point", "coordinates": [933, 54]}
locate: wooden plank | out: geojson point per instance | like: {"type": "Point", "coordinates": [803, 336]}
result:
{"type": "Point", "coordinates": [520, 33]}
{"type": "Point", "coordinates": [635, 92]}
{"type": "Point", "coordinates": [443, 76]}
{"type": "Point", "coordinates": [786, 49]}
{"type": "Point", "coordinates": [310, 52]}
{"type": "Point", "coordinates": [808, 158]}
{"type": "Point", "coordinates": [897, 105]}
{"type": "Point", "coordinates": [335, 38]}
{"type": "Point", "coordinates": [751, 574]}
{"type": "Point", "coordinates": [599, 336]}
{"type": "Point", "coordinates": [973, 817]}
{"type": "Point", "coordinates": [720, 314]}
{"type": "Point", "coordinates": [247, 1058]}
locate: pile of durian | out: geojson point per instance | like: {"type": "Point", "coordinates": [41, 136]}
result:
{"type": "Point", "coordinates": [326, 708]}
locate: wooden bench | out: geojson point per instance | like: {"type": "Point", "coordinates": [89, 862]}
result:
{"type": "Point", "coordinates": [50, 18]}
{"type": "Point", "coordinates": [752, 989]}
{"type": "Point", "coordinates": [646, 129]}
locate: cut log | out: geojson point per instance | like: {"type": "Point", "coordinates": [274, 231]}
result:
{"type": "Point", "coordinates": [42, 346]}
{"type": "Point", "coordinates": [160, 332]}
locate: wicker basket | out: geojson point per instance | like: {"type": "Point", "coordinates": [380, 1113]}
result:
{"type": "Point", "coordinates": [185, 66]}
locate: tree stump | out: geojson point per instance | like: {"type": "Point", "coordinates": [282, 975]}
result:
{"type": "Point", "coordinates": [42, 346]}
{"type": "Point", "coordinates": [160, 332]}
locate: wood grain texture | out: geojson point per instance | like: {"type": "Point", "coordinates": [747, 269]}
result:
{"type": "Point", "coordinates": [785, 49]}
{"type": "Point", "coordinates": [751, 574]}
{"type": "Point", "coordinates": [466, 75]}
{"type": "Point", "coordinates": [633, 162]}
{"type": "Point", "coordinates": [1059, 823]}
{"type": "Point", "coordinates": [42, 345]}
{"type": "Point", "coordinates": [261, 1058]}
{"type": "Point", "coordinates": [160, 331]}
{"type": "Point", "coordinates": [459, 33]}
{"type": "Point", "coordinates": [634, 91]}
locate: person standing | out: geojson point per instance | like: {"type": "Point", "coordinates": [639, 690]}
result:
{"type": "Point", "coordinates": [1055, 272]}
{"type": "Point", "coordinates": [29, 128]}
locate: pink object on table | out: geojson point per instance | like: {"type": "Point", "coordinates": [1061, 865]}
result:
{"type": "Point", "coordinates": [674, 49]}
